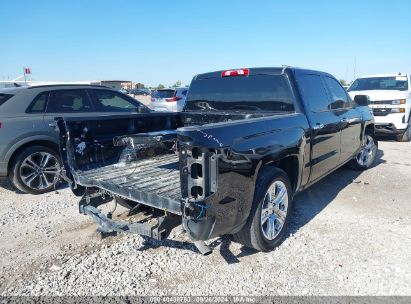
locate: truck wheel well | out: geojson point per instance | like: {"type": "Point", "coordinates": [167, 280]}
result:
{"type": "Point", "coordinates": [45, 143]}
{"type": "Point", "coordinates": [370, 129]}
{"type": "Point", "coordinates": [289, 165]}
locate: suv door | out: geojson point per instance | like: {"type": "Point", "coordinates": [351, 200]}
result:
{"type": "Point", "coordinates": [325, 124]}
{"type": "Point", "coordinates": [350, 122]}
{"type": "Point", "coordinates": [67, 103]}
{"type": "Point", "coordinates": [111, 102]}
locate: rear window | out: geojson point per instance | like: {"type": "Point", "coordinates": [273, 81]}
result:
{"type": "Point", "coordinates": [4, 98]}
{"type": "Point", "coordinates": [163, 94]}
{"type": "Point", "coordinates": [252, 93]}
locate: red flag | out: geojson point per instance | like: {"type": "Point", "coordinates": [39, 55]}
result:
{"type": "Point", "coordinates": [27, 71]}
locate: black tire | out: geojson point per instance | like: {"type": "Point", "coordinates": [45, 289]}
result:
{"type": "Point", "coordinates": [251, 235]}
{"type": "Point", "coordinates": [406, 136]}
{"type": "Point", "coordinates": [356, 163]}
{"type": "Point", "coordinates": [17, 168]}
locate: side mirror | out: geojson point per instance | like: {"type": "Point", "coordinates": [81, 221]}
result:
{"type": "Point", "coordinates": [362, 100]}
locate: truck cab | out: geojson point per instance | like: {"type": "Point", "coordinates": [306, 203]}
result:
{"type": "Point", "coordinates": [390, 96]}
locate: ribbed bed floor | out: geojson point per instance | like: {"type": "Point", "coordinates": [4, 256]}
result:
{"type": "Point", "coordinates": [154, 181]}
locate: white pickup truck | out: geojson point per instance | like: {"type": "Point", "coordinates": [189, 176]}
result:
{"type": "Point", "coordinates": [390, 96]}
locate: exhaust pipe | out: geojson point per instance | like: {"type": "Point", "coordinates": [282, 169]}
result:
{"type": "Point", "coordinates": [202, 247]}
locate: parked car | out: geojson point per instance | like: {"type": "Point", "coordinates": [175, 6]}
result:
{"type": "Point", "coordinates": [28, 140]}
{"type": "Point", "coordinates": [247, 141]}
{"type": "Point", "coordinates": [390, 96]}
{"type": "Point", "coordinates": [172, 100]}
{"type": "Point", "coordinates": [144, 92]}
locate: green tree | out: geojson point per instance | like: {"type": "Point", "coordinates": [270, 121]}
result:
{"type": "Point", "coordinates": [177, 84]}
{"type": "Point", "coordinates": [343, 82]}
{"type": "Point", "coordinates": [160, 86]}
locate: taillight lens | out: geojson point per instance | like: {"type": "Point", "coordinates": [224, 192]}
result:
{"type": "Point", "coordinates": [175, 98]}
{"type": "Point", "coordinates": [239, 72]}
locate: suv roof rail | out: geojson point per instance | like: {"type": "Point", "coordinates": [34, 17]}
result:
{"type": "Point", "coordinates": [68, 85]}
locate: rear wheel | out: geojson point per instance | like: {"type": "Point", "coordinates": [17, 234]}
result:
{"type": "Point", "coordinates": [406, 136]}
{"type": "Point", "coordinates": [368, 153]}
{"type": "Point", "coordinates": [268, 219]}
{"type": "Point", "coordinates": [36, 170]}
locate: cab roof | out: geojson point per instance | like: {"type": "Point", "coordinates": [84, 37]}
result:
{"type": "Point", "coordinates": [383, 75]}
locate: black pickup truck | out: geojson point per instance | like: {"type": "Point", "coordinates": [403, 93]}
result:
{"type": "Point", "coordinates": [247, 141]}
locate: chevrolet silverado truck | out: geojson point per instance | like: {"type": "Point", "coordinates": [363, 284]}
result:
{"type": "Point", "coordinates": [390, 96]}
{"type": "Point", "coordinates": [230, 163]}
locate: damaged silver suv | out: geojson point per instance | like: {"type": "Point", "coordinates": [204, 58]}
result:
{"type": "Point", "coordinates": [28, 137]}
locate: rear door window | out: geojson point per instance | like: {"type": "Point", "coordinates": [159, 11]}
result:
{"type": "Point", "coordinates": [313, 92]}
{"type": "Point", "coordinates": [109, 101]}
{"type": "Point", "coordinates": [69, 101]}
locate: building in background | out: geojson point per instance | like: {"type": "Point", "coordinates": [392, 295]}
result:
{"type": "Point", "coordinates": [115, 84]}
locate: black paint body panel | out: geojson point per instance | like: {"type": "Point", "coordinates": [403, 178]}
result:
{"type": "Point", "coordinates": [244, 143]}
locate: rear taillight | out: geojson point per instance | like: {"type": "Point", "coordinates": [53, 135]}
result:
{"type": "Point", "coordinates": [239, 72]}
{"type": "Point", "coordinates": [175, 98]}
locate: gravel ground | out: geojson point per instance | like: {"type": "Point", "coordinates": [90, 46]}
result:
{"type": "Point", "coordinates": [350, 235]}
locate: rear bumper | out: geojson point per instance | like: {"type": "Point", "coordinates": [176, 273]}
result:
{"type": "Point", "coordinates": [158, 227]}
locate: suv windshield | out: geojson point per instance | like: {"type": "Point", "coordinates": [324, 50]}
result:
{"type": "Point", "coordinates": [399, 83]}
{"type": "Point", "coordinates": [252, 93]}
{"type": "Point", "coordinates": [163, 94]}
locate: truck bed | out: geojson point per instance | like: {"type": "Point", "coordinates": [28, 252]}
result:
{"type": "Point", "coordinates": [154, 181]}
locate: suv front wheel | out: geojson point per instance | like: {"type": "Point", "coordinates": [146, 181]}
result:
{"type": "Point", "coordinates": [35, 170]}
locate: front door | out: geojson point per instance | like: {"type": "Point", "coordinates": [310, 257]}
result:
{"type": "Point", "coordinates": [350, 119]}
{"type": "Point", "coordinates": [325, 124]}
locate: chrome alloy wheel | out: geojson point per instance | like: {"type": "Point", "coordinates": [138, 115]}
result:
{"type": "Point", "coordinates": [40, 170]}
{"type": "Point", "coordinates": [368, 151]}
{"type": "Point", "coordinates": [274, 210]}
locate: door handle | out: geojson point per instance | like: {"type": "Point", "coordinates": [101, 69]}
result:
{"type": "Point", "coordinates": [52, 125]}
{"type": "Point", "coordinates": [318, 126]}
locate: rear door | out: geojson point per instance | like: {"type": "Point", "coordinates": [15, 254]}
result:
{"type": "Point", "coordinates": [350, 119]}
{"type": "Point", "coordinates": [67, 103]}
{"type": "Point", "coordinates": [325, 124]}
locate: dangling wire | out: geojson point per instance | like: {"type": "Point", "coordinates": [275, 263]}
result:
{"type": "Point", "coordinates": [202, 210]}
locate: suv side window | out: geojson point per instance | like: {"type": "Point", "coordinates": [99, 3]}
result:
{"type": "Point", "coordinates": [109, 101]}
{"type": "Point", "coordinates": [339, 97]}
{"type": "Point", "coordinates": [39, 103]}
{"type": "Point", "coordinates": [313, 92]}
{"type": "Point", "coordinates": [69, 101]}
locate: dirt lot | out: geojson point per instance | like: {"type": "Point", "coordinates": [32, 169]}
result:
{"type": "Point", "coordinates": [350, 235]}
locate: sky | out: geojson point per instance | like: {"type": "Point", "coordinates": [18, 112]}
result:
{"type": "Point", "coordinates": [157, 42]}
